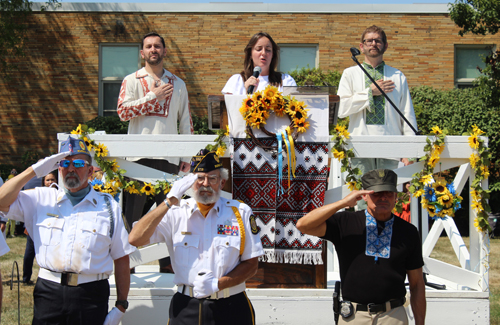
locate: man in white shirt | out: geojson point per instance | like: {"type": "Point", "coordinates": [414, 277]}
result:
{"type": "Point", "coordinates": [369, 112]}
{"type": "Point", "coordinates": [154, 100]}
{"type": "Point", "coordinates": [79, 236]}
{"type": "Point", "coordinates": [213, 244]}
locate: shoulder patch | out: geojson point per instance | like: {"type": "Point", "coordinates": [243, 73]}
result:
{"type": "Point", "coordinates": [233, 203]}
{"type": "Point", "coordinates": [253, 225]}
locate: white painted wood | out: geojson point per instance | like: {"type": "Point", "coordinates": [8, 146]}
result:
{"type": "Point", "coordinates": [432, 238]}
{"type": "Point", "coordinates": [463, 277]}
{"type": "Point", "coordinates": [148, 254]}
{"type": "Point", "coordinates": [457, 242]}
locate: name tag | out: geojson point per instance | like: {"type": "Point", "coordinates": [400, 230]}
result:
{"type": "Point", "coordinates": [53, 215]}
{"type": "Point", "coordinates": [185, 233]}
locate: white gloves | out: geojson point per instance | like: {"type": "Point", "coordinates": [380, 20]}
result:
{"type": "Point", "coordinates": [205, 284]}
{"type": "Point", "coordinates": [114, 317]}
{"type": "Point", "coordinates": [181, 186]}
{"type": "Point", "coordinates": [43, 167]}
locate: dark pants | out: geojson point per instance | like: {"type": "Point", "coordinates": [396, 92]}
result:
{"type": "Point", "coordinates": [56, 304]}
{"type": "Point", "coordinates": [29, 256]}
{"type": "Point", "coordinates": [235, 310]}
{"type": "Point", "coordinates": [138, 205]}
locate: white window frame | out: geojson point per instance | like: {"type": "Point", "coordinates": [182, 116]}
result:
{"type": "Point", "coordinates": [466, 82]}
{"type": "Point", "coordinates": [102, 80]}
{"type": "Point", "coordinates": [309, 45]}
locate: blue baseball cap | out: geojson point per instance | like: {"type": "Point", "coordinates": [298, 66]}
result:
{"type": "Point", "coordinates": [75, 147]}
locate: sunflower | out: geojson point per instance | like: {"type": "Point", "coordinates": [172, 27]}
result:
{"type": "Point", "coordinates": [88, 143]}
{"type": "Point", "coordinates": [147, 189]}
{"type": "Point", "coordinates": [114, 166]}
{"type": "Point", "coordinates": [426, 179]}
{"type": "Point", "coordinates": [117, 183]}
{"type": "Point", "coordinates": [279, 107]}
{"type": "Point", "coordinates": [432, 210]}
{"type": "Point", "coordinates": [419, 192]}
{"type": "Point", "coordinates": [438, 149]}
{"type": "Point", "coordinates": [476, 224]}
{"type": "Point", "coordinates": [433, 160]}
{"type": "Point", "coordinates": [247, 106]}
{"type": "Point", "coordinates": [256, 120]}
{"type": "Point", "coordinates": [292, 107]}
{"type": "Point", "coordinates": [425, 203]}
{"type": "Point", "coordinates": [484, 171]}
{"type": "Point", "coordinates": [477, 206]}
{"type": "Point", "coordinates": [474, 141]}
{"type": "Point", "coordinates": [97, 187]}
{"type": "Point", "coordinates": [436, 130]}
{"type": "Point", "coordinates": [352, 185]}
{"type": "Point", "coordinates": [301, 125]}
{"type": "Point", "coordinates": [109, 188]}
{"type": "Point", "coordinates": [271, 93]}
{"type": "Point", "coordinates": [474, 159]}
{"type": "Point", "coordinates": [220, 151]}
{"type": "Point", "coordinates": [101, 150]}
{"type": "Point", "coordinates": [446, 200]}
{"type": "Point", "coordinates": [227, 132]}
{"type": "Point", "coordinates": [440, 187]}
{"type": "Point", "coordinates": [132, 190]}
{"type": "Point", "coordinates": [475, 195]}
{"type": "Point", "coordinates": [167, 188]}
{"type": "Point", "coordinates": [338, 154]}
{"type": "Point", "coordinates": [476, 130]}
{"type": "Point", "coordinates": [78, 130]}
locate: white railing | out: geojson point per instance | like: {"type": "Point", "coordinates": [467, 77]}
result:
{"type": "Point", "coordinates": [473, 273]}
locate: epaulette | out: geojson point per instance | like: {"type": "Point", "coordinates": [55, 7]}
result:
{"type": "Point", "coordinates": [233, 203]}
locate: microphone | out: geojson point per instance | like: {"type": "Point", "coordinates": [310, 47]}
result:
{"type": "Point", "coordinates": [256, 72]}
{"type": "Point", "coordinates": [355, 51]}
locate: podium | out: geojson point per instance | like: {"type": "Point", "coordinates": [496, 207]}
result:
{"type": "Point", "coordinates": [292, 259]}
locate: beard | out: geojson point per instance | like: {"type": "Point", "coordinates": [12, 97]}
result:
{"type": "Point", "coordinates": [374, 52]}
{"type": "Point", "coordinates": [154, 62]}
{"type": "Point", "coordinates": [72, 180]}
{"type": "Point", "coordinates": [206, 199]}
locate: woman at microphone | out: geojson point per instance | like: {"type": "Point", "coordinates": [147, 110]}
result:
{"type": "Point", "coordinates": [261, 51]}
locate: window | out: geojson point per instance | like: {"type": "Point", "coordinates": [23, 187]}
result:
{"type": "Point", "coordinates": [297, 56]}
{"type": "Point", "coordinates": [115, 62]}
{"type": "Point", "coordinates": [467, 59]}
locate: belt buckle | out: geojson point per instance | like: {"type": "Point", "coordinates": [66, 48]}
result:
{"type": "Point", "coordinates": [370, 309]}
{"type": "Point", "coordinates": [72, 279]}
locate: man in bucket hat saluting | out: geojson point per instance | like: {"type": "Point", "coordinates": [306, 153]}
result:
{"type": "Point", "coordinates": [376, 252]}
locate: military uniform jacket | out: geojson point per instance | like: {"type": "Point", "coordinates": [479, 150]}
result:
{"type": "Point", "coordinates": [71, 238]}
{"type": "Point", "coordinates": [195, 242]}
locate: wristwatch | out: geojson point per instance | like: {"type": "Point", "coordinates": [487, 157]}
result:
{"type": "Point", "coordinates": [123, 303]}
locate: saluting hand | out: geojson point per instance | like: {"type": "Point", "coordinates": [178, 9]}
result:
{"type": "Point", "coordinates": [352, 198]}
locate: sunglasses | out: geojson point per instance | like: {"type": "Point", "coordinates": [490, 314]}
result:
{"type": "Point", "coordinates": [77, 163]}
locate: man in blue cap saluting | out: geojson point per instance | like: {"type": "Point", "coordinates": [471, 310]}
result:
{"type": "Point", "coordinates": [78, 235]}
{"type": "Point", "coordinates": [213, 244]}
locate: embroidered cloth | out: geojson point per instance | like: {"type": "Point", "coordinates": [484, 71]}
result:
{"type": "Point", "coordinates": [376, 114]}
{"type": "Point", "coordinates": [255, 182]}
{"type": "Point", "coordinates": [378, 245]}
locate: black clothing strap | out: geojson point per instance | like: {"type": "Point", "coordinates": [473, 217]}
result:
{"type": "Point", "coordinates": [380, 308]}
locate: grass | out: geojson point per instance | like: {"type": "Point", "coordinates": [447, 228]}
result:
{"type": "Point", "coordinates": [443, 251]}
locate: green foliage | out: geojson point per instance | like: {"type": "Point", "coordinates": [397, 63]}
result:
{"type": "Point", "coordinates": [110, 124]}
{"type": "Point", "coordinates": [488, 83]}
{"type": "Point", "coordinates": [200, 125]}
{"type": "Point", "coordinates": [29, 158]}
{"type": "Point", "coordinates": [316, 77]}
{"type": "Point", "coordinates": [13, 14]}
{"type": "Point", "coordinates": [476, 16]}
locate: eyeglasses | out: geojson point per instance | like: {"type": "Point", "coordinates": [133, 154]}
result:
{"type": "Point", "coordinates": [371, 40]}
{"type": "Point", "coordinates": [77, 163]}
{"type": "Point", "coordinates": [212, 180]}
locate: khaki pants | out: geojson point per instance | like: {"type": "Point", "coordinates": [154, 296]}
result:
{"type": "Point", "coordinates": [396, 316]}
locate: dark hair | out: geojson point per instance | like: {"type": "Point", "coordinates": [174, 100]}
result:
{"type": "Point", "coordinates": [56, 175]}
{"type": "Point", "coordinates": [274, 76]}
{"type": "Point", "coordinates": [374, 29]}
{"type": "Point", "coordinates": [152, 34]}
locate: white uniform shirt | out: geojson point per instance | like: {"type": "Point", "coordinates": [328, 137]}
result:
{"type": "Point", "coordinates": [138, 104]}
{"type": "Point", "coordinates": [354, 101]}
{"type": "Point", "coordinates": [236, 86]}
{"type": "Point", "coordinates": [4, 249]}
{"type": "Point", "coordinates": [71, 238]}
{"type": "Point", "coordinates": [196, 243]}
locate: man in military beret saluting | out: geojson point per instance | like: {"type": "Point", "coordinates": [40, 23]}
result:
{"type": "Point", "coordinates": [213, 244]}
{"type": "Point", "coordinates": [78, 235]}
{"type": "Point", "coordinates": [376, 252]}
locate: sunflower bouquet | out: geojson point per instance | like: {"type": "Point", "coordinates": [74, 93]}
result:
{"type": "Point", "coordinates": [438, 196]}
{"type": "Point", "coordinates": [257, 108]}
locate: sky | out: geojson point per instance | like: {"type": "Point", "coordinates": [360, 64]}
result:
{"type": "Point", "coordinates": [272, 1]}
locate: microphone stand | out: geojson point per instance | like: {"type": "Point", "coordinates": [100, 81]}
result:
{"type": "Point", "coordinates": [385, 95]}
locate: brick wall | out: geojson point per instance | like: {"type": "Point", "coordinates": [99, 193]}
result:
{"type": "Point", "coordinates": [56, 86]}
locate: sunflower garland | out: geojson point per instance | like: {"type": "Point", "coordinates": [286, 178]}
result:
{"type": "Point", "coordinates": [479, 161]}
{"type": "Point", "coordinates": [438, 196]}
{"type": "Point", "coordinates": [257, 108]}
{"type": "Point", "coordinates": [342, 154]}
{"type": "Point", "coordinates": [219, 146]}
{"type": "Point", "coordinates": [115, 181]}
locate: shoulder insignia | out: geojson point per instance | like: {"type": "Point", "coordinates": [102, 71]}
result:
{"type": "Point", "coordinates": [253, 225]}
